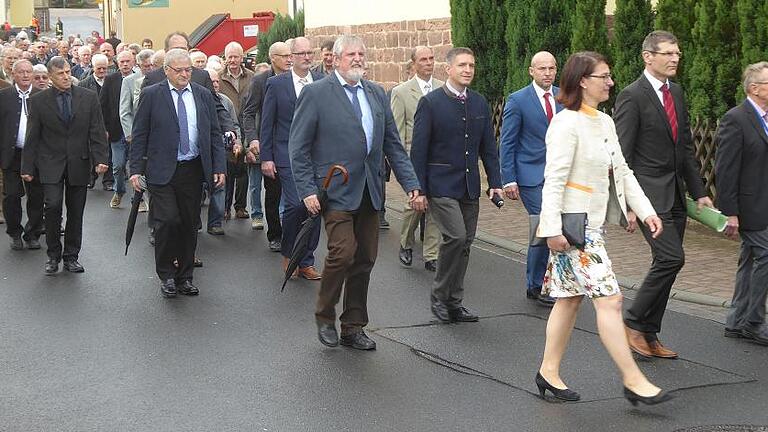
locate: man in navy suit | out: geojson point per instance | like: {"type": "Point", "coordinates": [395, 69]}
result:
{"type": "Point", "coordinates": [177, 145]}
{"type": "Point", "coordinates": [345, 119]}
{"type": "Point", "coordinates": [452, 129]}
{"type": "Point", "coordinates": [523, 154]}
{"type": "Point", "coordinates": [276, 117]}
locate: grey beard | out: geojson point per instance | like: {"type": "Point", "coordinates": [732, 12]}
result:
{"type": "Point", "coordinates": [354, 74]}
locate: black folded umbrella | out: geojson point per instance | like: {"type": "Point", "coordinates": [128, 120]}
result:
{"type": "Point", "coordinates": [302, 238]}
{"type": "Point", "coordinates": [137, 196]}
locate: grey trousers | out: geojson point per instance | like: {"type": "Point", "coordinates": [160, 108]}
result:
{"type": "Point", "coordinates": [749, 295]}
{"type": "Point", "coordinates": [457, 222]}
{"type": "Point", "coordinates": [431, 234]}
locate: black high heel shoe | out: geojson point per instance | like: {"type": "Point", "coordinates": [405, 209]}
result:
{"type": "Point", "coordinates": [658, 398]}
{"type": "Point", "coordinates": [562, 394]}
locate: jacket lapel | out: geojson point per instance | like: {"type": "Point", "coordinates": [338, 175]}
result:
{"type": "Point", "coordinates": [754, 120]}
{"type": "Point", "coordinates": [76, 99]}
{"type": "Point", "coordinates": [53, 103]}
{"type": "Point", "coordinates": [650, 93]}
{"type": "Point", "coordinates": [534, 99]}
{"type": "Point", "coordinates": [341, 95]}
{"type": "Point", "coordinates": [166, 95]}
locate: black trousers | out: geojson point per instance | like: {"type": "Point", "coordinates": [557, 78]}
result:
{"type": "Point", "coordinates": [176, 213]}
{"type": "Point", "coordinates": [108, 178]}
{"type": "Point", "coordinates": [14, 191]}
{"type": "Point", "coordinates": [237, 186]}
{"type": "Point", "coordinates": [272, 192]}
{"type": "Point", "coordinates": [647, 311]}
{"type": "Point", "coordinates": [54, 196]}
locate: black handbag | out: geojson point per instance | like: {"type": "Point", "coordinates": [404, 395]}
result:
{"type": "Point", "coordinates": [574, 230]}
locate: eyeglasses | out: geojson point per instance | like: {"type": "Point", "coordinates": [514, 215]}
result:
{"type": "Point", "coordinates": [668, 53]}
{"type": "Point", "coordinates": [604, 77]}
{"type": "Point", "coordinates": [283, 55]}
{"type": "Point", "coordinates": [303, 54]}
{"type": "Point", "coordinates": [180, 70]}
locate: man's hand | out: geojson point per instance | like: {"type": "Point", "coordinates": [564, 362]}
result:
{"type": "Point", "coordinates": [128, 139]}
{"type": "Point", "coordinates": [417, 201]}
{"type": "Point", "coordinates": [558, 243]}
{"type": "Point", "coordinates": [101, 168]}
{"type": "Point", "coordinates": [631, 221]}
{"type": "Point", "coordinates": [655, 226]}
{"type": "Point", "coordinates": [512, 192]}
{"type": "Point", "coordinates": [219, 180]}
{"type": "Point", "coordinates": [268, 169]}
{"type": "Point", "coordinates": [495, 192]}
{"type": "Point", "coordinates": [237, 148]}
{"type": "Point", "coordinates": [254, 145]}
{"type": "Point", "coordinates": [704, 202]}
{"type": "Point", "coordinates": [135, 182]}
{"type": "Point", "coordinates": [732, 228]}
{"type": "Point", "coordinates": [27, 178]}
{"type": "Point", "coordinates": [312, 204]}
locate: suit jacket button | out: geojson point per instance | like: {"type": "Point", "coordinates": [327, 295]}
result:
{"type": "Point", "coordinates": [466, 135]}
{"type": "Point", "coordinates": [463, 119]}
{"type": "Point", "coordinates": [467, 169]}
{"type": "Point", "coordinates": [466, 153]}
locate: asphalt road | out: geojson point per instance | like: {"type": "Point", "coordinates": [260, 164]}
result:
{"type": "Point", "coordinates": [103, 351]}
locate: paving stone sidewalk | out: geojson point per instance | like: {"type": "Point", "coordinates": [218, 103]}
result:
{"type": "Point", "coordinates": [710, 264]}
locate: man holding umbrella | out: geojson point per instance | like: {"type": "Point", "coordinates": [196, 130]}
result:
{"type": "Point", "coordinates": [177, 145]}
{"type": "Point", "coordinates": [344, 119]}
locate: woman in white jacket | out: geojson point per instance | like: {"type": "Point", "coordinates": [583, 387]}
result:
{"type": "Point", "coordinates": [586, 173]}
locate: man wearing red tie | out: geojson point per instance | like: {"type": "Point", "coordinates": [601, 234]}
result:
{"type": "Point", "coordinates": [655, 135]}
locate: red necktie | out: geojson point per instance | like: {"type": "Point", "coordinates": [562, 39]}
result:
{"type": "Point", "coordinates": [669, 108]}
{"type": "Point", "coordinates": [548, 107]}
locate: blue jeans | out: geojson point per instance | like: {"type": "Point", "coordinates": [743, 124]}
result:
{"type": "Point", "coordinates": [536, 262]}
{"type": "Point", "coordinates": [254, 190]}
{"type": "Point", "coordinates": [119, 158]}
{"type": "Point", "coordinates": [216, 207]}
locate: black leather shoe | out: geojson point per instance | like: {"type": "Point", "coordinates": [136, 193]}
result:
{"type": "Point", "coordinates": [359, 341]}
{"type": "Point", "coordinates": [634, 398]}
{"type": "Point", "coordinates": [430, 265]}
{"type": "Point", "coordinates": [542, 300]}
{"type": "Point", "coordinates": [327, 334]}
{"type": "Point", "coordinates": [33, 244]}
{"type": "Point", "coordinates": [151, 236]}
{"type": "Point", "coordinates": [73, 266]}
{"type": "Point", "coordinates": [186, 288]}
{"type": "Point", "coordinates": [51, 266]}
{"type": "Point", "coordinates": [197, 262]}
{"type": "Point", "coordinates": [733, 333]}
{"type": "Point", "coordinates": [168, 288]}
{"type": "Point", "coordinates": [440, 312]}
{"type": "Point", "coordinates": [108, 187]}
{"type": "Point", "coordinates": [17, 244]}
{"type": "Point", "coordinates": [405, 256]}
{"type": "Point", "coordinates": [562, 394]}
{"type": "Point", "coordinates": [275, 245]}
{"type": "Point", "coordinates": [462, 314]}
{"type": "Point", "coordinates": [756, 334]}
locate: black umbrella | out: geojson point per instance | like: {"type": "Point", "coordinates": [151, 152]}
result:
{"type": "Point", "coordinates": [302, 238]}
{"type": "Point", "coordinates": [137, 196]}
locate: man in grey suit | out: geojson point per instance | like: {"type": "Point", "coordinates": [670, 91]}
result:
{"type": "Point", "coordinates": [404, 100]}
{"type": "Point", "coordinates": [344, 119]}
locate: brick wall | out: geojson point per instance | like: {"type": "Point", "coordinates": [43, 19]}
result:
{"type": "Point", "coordinates": [389, 45]}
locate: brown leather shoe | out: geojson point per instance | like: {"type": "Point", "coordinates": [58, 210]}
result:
{"type": "Point", "coordinates": [295, 274]}
{"type": "Point", "coordinates": [659, 350]}
{"type": "Point", "coordinates": [638, 344]}
{"type": "Point", "coordinates": [310, 273]}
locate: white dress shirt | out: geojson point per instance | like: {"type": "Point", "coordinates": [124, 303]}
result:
{"type": "Point", "coordinates": [456, 92]}
{"type": "Point", "coordinates": [656, 84]}
{"type": "Point", "coordinates": [189, 104]}
{"type": "Point", "coordinates": [425, 86]}
{"type": "Point", "coordinates": [298, 84]}
{"type": "Point", "coordinates": [542, 101]}
{"type": "Point", "coordinates": [22, 133]}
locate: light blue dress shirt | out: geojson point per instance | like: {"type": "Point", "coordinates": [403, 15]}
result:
{"type": "Point", "coordinates": [189, 104]}
{"type": "Point", "coordinates": [365, 107]}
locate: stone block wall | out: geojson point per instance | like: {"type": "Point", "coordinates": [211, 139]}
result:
{"type": "Point", "coordinates": [389, 45]}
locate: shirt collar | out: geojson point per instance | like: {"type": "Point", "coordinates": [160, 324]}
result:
{"type": "Point", "coordinates": [296, 78]}
{"type": "Point", "coordinates": [540, 91]}
{"type": "Point", "coordinates": [343, 82]}
{"type": "Point", "coordinates": [656, 84]}
{"type": "Point", "coordinates": [588, 110]}
{"type": "Point", "coordinates": [454, 91]}
{"type": "Point", "coordinates": [760, 111]}
{"type": "Point", "coordinates": [172, 88]}
{"type": "Point", "coordinates": [423, 83]}
{"type": "Point", "coordinates": [22, 91]}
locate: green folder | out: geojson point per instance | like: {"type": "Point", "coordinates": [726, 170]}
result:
{"type": "Point", "coordinates": [707, 216]}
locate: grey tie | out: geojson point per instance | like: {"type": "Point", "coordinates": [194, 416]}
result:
{"type": "Point", "coordinates": [355, 101]}
{"type": "Point", "coordinates": [181, 111]}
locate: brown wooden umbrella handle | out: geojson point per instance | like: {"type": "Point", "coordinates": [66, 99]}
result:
{"type": "Point", "coordinates": [332, 171]}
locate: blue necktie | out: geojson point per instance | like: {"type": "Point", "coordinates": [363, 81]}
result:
{"type": "Point", "coordinates": [181, 111]}
{"type": "Point", "coordinates": [355, 101]}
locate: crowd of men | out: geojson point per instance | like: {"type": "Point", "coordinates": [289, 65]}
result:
{"type": "Point", "coordinates": [178, 125]}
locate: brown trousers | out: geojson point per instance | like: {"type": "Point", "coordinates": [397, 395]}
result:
{"type": "Point", "coordinates": [353, 240]}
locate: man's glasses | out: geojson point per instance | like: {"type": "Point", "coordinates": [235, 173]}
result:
{"type": "Point", "coordinates": [678, 54]}
{"type": "Point", "coordinates": [303, 54]}
{"type": "Point", "coordinates": [180, 70]}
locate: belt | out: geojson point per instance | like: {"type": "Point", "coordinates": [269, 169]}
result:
{"type": "Point", "coordinates": [186, 162]}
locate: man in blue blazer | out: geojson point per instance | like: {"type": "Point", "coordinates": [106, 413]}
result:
{"type": "Point", "coordinates": [451, 130]}
{"type": "Point", "coordinates": [177, 144]}
{"type": "Point", "coordinates": [344, 119]}
{"type": "Point", "coordinates": [276, 117]}
{"type": "Point", "coordinates": [523, 154]}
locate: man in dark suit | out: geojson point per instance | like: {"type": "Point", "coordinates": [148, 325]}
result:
{"type": "Point", "coordinates": [276, 117]}
{"type": "Point", "coordinates": [451, 130]}
{"type": "Point", "coordinates": [95, 82]}
{"type": "Point", "coordinates": [13, 128]}
{"type": "Point", "coordinates": [655, 136]}
{"type": "Point", "coordinates": [177, 146]}
{"type": "Point", "coordinates": [65, 132]}
{"type": "Point", "coordinates": [344, 119]}
{"type": "Point", "coordinates": [110, 108]}
{"type": "Point", "coordinates": [523, 154]}
{"type": "Point", "coordinates": [280, 57]}
{"type": "Point", "coordinates": [742, 195]}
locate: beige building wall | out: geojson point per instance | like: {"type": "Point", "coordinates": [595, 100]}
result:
{"type": "Point", "coordinates": [134, 24]}
{"type": "Point", "coordinates": [20, 12]}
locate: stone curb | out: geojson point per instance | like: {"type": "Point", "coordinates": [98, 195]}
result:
{"type": "Point", "coordinates": [626, 283]}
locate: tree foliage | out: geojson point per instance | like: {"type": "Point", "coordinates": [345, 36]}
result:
{"type": "Point", "coordinates": [632, 21]}
{"type": "Point", "coordinates": [678, 17]}
{"type": "Point", "coordinates": [284, 27]}
{"type": "Point", "coordinates": [589, 30]}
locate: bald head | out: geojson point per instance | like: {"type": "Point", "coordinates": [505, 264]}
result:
{"type": "Point", "coordinates": [423, 59]}
{"type": "Point", "coordinates": [543, 69]}
{"type": "Point", "coordinates": [280, 56]}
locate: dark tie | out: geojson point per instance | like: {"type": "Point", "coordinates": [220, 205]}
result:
{"type": "Point", "coordinates": [669, 108]}
{"type": "Point", "coordinates": [462, 97]}
{"type": "Point", "coordinates": [181, 112]}
{"type": "Point", "coordinates": [550, 114]}
{"type": "Point", "coordinates": [66, 108]}
{"type": "Point", "coordinates": [355, 101]}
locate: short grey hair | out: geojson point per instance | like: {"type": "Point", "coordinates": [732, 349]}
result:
{"type": "Point", "coordinates": [295, 40]}
{"type": "Point", "coordinates": [57, 62]}
{"type": "Point", "coordinates": [175, 55]}
{"type": "Point", "coordinates": [234, 45]}
{"type": "Point", "coordinates": [38, 68]}
{"type": "Point", "coordinates": [126, 53]}
{"type": "Point", "coordinates": [654, 38]}
{"type": "Point", "coordinates": [145, 54]}
{"type": "Point", "coordinates": [751, 72]}
{"type": "Point", "coordinates": [18, 63]}
{"type": "Point", "coordinates": [84, 49]}
{"type": "Point", "coordinates": [98, 58]}
{"type": "Point", "coordinates": [345, 41]}
{"type": "Point", "coordinates": [9, 49]}
{"type": "Point", "coordinates": [273, 47]}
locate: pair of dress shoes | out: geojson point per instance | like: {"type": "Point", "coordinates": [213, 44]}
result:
{"type": "Point", "coordinates": [169, 288]}
{"type": "Point", "coordinates": [640, 344]}
{"type": "Point", "coordinates": [328, 336]}
{"type": "Point", "coordinates": [72, 266]}
{"type": "Point", "coordinates": [445, 314]}
{"type": "Point", "coordinates": [756, 334]}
